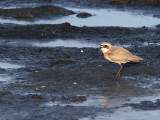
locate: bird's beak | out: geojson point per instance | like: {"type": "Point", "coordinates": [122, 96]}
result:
{"type": "Point", "coordinates": [99, 48]}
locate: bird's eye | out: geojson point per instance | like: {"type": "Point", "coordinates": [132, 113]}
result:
{"type": "Point", "coordinates": [106, 46]}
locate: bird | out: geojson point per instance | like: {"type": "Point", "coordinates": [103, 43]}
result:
{"type": "Point", "coordinates": [118, 55]}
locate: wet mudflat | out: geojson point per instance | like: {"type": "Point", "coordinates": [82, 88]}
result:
{"type": "Point", "coordinates": [54, 71]}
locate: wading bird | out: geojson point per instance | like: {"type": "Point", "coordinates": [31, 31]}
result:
{"type": "Point", "coordinates": [118, 55]}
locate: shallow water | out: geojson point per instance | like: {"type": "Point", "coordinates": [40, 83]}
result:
{"type": "Point", "coordinates": [5, 65]}
{"type": "Point", "coordinates": [109, 17]}
{"type": "Point", "coordinates": [101, 17]}
{"type": "Point", "coordinates": [44, 80]}
{"type": "Point", "coordinates": [65, 43]}
{"type": "Point", "coordinates": [78, 43]}
{"type": "Point", "coordinates": [106, 101]}
{"type": "Point", "coordinates": [127, 113]}
{"type": "Point", "coordinates": [4, 78]}
{"type": "Point", "coordinates": [146, 81]}
{"type": "Point", "coordinates": [153, 44]}
{"type": "Point", "coordinates": [94, 101]}
{"type": "Point", "coordinates": [120, 113]}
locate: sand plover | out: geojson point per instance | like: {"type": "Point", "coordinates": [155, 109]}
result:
{"type": "Point", "coordinates": [118, 55]}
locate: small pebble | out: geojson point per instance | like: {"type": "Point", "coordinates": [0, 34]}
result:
{"type": "Point", "coordinates": [43, 86]}
{"type": "Point", "coordinates": [74, 83]}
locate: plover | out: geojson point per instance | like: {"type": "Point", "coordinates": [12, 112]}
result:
{"type": "Point", "coordinates": [118, 55]}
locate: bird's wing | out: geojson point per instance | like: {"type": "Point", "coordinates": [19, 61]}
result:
{"type": "Point", "coordinates": [120, 54]}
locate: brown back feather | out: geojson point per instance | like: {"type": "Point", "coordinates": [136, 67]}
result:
{"type": "Point", "coordinates": [122, 55]}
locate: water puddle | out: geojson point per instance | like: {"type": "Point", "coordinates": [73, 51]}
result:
{"type": "Point", "coordinates": [65, 43]}
{"type": "Point", "coordinates": [78, 43]}
{"type": "Point", "coordinates": [18, 22]}
{"type": "Point", "coordinates": [100, 17]}
{"type": "Point", "coordinates": [127, 113]}
{"type": "Point", "coordinates": [153, 44]}
{"type": "Point", "coordinates": [94, 101]}
{"type": "Point", "coordinates": [109, 17]}
{"type": "Point", "coordinates": [9, 66]}
{"type": "Point", "coordinates": [144, 98]}
{"type": "Point", "coordinates": [145, 81]}
{"type": "Point", "coordinates": [72, 43]}
{"type": "Point", "coordinates": [4, 78]}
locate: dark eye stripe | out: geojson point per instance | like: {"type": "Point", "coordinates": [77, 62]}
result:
{"type": "Point", "coordinates": [104, 46]}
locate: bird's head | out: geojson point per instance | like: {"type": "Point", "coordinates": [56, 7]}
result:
{"type": "Point", "coordinates": [105, 47]}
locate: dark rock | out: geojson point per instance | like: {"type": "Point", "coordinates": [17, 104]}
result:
{"type": "Point", "coordinates": [146, 105]}
{"type": "Point", "coordinates": [84, 15]}
{"type": "Point", "coordinates": [78, 98]}
{"type": "Point", "coordinates": [29, 12]}
{"type": "Point", "coordinates": [158, 26]}
{"type": "Point", "coordinates": [157, 16]}
{"type": "Point", "coordinates": [158, 56]}
{"type": "Point", "coordinates": [2, 93]}
{"type": "Point", "coordinates": [68, 56]}
{"type": "Point", "coordinates": [118, 2]}
{"type": "Point", "coordinates": [35, 96]}
{"type": "Point", "coordinates": [135, 2]}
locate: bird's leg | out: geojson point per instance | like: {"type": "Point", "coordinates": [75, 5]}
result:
{"type": "Point", "coordinates": [118, 74]}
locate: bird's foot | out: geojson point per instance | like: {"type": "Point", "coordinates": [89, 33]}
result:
{"type": "Point", "coordinates": [118, 74]}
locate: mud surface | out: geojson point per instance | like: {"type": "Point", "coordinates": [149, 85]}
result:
{"type": "Point", "coordinates": [76, 83]}
{"type": "Point", "coordinates": [89, 2]}
{"type": "Point", "coordinates": [44, 11]}
{"type": "Point", "coordinates": [66, 30]}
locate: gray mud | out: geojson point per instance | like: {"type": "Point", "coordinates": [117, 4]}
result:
{"type": "Point", "coordinates": [76, 82]}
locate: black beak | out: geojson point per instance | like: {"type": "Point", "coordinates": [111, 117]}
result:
{"type": "Point", "coordinates": [99, 48]}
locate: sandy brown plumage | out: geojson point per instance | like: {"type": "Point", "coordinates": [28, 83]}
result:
{"type": "Point", "coordinates": [118, 55]}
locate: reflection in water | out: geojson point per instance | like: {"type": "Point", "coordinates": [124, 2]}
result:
{"type": "Point", "coordinates": [96, 101]}
{"type": "Point", "coordinates": [113, 101]}
{"type": "Point", "coordinates": [101, 17]}
{"type": "Point", "coordinates": [127, 113]}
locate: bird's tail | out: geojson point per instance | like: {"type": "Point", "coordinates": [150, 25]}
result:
{"type": "Point", "coordinates": [137, 58]}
